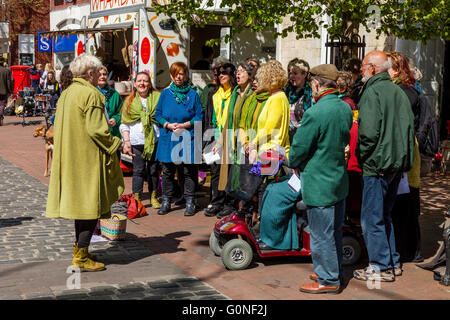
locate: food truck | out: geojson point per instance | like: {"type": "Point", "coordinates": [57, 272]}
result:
{"type": "Point", "coordinates": [130, 37]}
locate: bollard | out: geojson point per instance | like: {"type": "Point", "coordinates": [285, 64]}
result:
{"type": "Point", "coordinates": [446, 278]}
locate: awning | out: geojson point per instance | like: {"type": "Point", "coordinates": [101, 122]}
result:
{"type": "Point", "coordinates": [109, 28]}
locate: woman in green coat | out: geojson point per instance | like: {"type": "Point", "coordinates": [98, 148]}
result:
{"type": "Point", "coordinates": [113, 102]}
{"type": "Point", "coordinates": [86, 178]}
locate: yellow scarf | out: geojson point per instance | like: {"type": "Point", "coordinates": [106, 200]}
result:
{"type": "Point", "coordinates": [221, 113]}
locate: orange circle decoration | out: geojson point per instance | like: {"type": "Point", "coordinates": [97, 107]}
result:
{"type": "Point", "coordinates": [145, 50]}
{"type": "Point", "coordinates": [80, 48]}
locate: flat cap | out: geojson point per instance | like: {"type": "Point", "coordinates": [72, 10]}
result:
{"type": "Point", "coordinates": [328, 71]}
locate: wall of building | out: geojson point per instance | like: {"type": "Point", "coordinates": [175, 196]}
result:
{"type": "Point", "coordinates": [40, 22]}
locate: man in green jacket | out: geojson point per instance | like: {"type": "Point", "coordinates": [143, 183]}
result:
{"type": "Point", "coordinates": [385, 149]}
{"type": "Point", "coordinates": [318, 153]}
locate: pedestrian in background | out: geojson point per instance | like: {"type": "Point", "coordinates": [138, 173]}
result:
{"type": "Point", "coordinates": [318, 154]}
{"type": "Point", "coordinates": [385, 149]}
{"type": "Point", "coordinates": [140, 134]}
{"type": "Point", "coordinates": [6, 87]}
{"type": "Point", "coordinates": [86, 177]}
{"type": "Point", "coordinates": [177, 111]}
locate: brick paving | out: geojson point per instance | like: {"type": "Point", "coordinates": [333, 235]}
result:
{"type": "Point", "coordinates": [162, 250]}
{"type": "Point", "coordinates": [26, 236]}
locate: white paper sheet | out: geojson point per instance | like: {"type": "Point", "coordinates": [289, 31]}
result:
{"type": "Point", "coordinates": [211, 157]}
{"type": "Point", "coordinates": [294, 183]}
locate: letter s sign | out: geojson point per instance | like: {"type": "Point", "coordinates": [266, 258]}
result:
{"type": "Point", "coordinates": [44, 43]}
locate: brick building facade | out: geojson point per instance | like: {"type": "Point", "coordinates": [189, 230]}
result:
{"type": "Point", "coordinates": [28, 20]}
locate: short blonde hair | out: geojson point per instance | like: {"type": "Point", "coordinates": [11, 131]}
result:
{"type": "Point", "coordinates": [271, 76]}
{"type": "Point", "coordinates": [48, 67]}
{"type": "Point", "coordinates": [83, 63]}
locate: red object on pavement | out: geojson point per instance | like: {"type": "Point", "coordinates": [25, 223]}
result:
{"type": "Point", "coordinates": [21, 76]}
{"type": "Point", "coordinates": [125, 168]}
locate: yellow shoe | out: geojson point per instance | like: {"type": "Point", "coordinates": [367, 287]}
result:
{"type": "Point", "coordinates": [137, 196]}
{"type": "Point", "coordinates": [154, 201]}
{"type": "Point", "coordinates": [82, 261]}
{"type": "Point", "coordinates": [90, 255]}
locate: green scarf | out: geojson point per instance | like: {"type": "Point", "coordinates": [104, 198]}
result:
{"type": "Point", "coordinates": [180, 93]}
{"type": "Point", "coordinates": [249, 109]}
{"type": "Point", "coordinates": [237, 108]}
{"type": "Point", "coordinates": [146, 117]}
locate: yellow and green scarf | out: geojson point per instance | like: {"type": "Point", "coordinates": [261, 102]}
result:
{"type": "Point", "coordinates": [221, 101]}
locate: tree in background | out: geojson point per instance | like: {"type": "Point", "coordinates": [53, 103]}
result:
{"type": "Point", "coordinates": [409, 19]}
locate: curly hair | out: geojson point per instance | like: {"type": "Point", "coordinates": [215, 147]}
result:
{"type": "Point", "coordinates": [344, 81]}
{"type": "Point", "coordinates": [271, 76]}
{"type": "Point", "coordinates": [66, 78]}
{"type": "Point", "coordinates": [83, 63]}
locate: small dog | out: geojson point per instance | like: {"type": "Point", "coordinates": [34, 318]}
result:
{"type": "Point", "coordinates": [48, 137]}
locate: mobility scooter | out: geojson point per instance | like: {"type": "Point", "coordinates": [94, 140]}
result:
{"type": "Point", "coordinates": [234, 240]}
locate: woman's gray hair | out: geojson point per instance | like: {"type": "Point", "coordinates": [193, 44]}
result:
{"type": "Point", "coordinates": [83, 63]}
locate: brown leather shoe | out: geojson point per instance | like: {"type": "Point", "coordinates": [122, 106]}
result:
{"type": "Point", "coordinates": [313, 276]}
{"type": "Point", "coordinates": [316, 287]}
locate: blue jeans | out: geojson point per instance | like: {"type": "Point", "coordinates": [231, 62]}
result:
{"type": "Point", "coordinates": [325, 224]}
{"type": "Point", "coordinates": [378, 199]}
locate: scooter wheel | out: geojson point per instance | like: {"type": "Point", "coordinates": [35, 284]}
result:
{"type": "Point", "coordinates": [351, 250]}
{"type": "Point", "coordinates": [237, 254]}
{"type": "Point", "coordinates": [215, 245]}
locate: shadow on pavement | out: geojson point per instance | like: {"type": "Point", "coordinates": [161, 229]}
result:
{"type": "Point", "coordinates": [134, 248]}
{"type": "Point", "coordinates": [11, 222]}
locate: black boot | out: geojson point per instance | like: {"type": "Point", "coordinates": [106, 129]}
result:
{"type": "Point", "coordinates": [165, 206]}
{"type": "Point", "coordinates": [190, 207]}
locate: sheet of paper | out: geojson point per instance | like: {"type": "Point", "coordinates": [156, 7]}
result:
{"type": "Point", "coordinates": [211, 157]}
{"type": "Point", "coordinates": [96, 238]}
{"type": "Point", "coordinates": [294, 183]}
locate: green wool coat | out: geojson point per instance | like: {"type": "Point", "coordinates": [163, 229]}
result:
{"type": "Point", "coordinates": [86, 178]}
{"type": "Point", "coordinates": [318, 151]}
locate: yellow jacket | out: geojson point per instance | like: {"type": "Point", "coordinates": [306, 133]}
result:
{"type": "Point", "coordinates": [274, 116]}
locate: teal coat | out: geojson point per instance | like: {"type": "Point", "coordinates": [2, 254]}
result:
{"type": "Point", "coordinates": [386, 128]}
{"type": "Point", "coordinates": [317, 150]}
{"type": "Point", "coordinates": [278, 219]}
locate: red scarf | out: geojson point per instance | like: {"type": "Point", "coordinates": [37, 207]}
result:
{"type": "Point", "coordinates": [324, 93]}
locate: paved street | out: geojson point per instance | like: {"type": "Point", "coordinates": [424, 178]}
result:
{"type": "Point", "coordinates": [163, 257]}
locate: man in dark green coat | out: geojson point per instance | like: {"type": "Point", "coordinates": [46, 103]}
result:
{"type": "Point", "coordinates": [318, 153]}
{"type": "Point", "coordinates": [385, 149]}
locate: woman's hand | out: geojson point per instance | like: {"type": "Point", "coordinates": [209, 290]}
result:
{"type": "Point", "coordinates": [172, 126]}
{"type": "Point", "coordinates": [112, 122]}
{"type": "Point", "coordinates": [127, 149]}
{"type": "Point", "coordinates": [252, 156]}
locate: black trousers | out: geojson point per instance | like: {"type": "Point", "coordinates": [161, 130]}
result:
{"type": "Point", "coordinates": [142, 168]}
{"type": "Point", "coordinates": [405, 219]}
{"type": "Point", "coordinates": [219, 198]}
{"type": "Point", "coordinates": [83, 232]}
{"type": "Point", "coordinates": [190, 174]}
